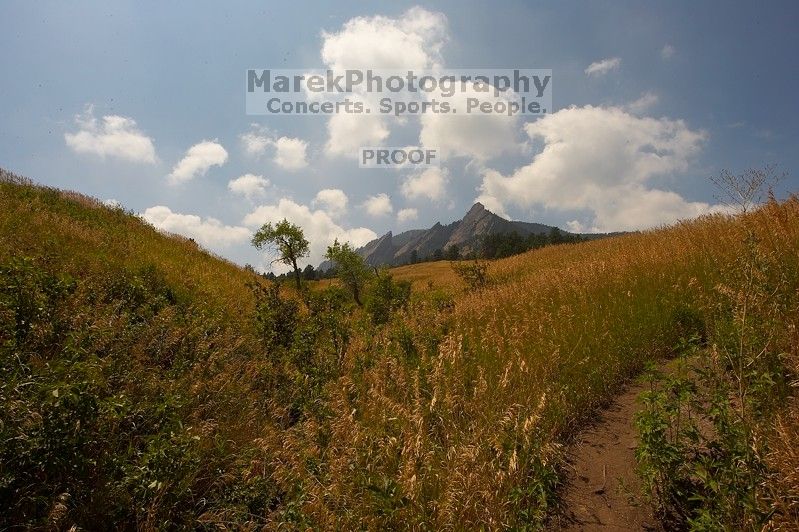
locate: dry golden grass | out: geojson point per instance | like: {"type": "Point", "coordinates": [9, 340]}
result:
{"type": "Point", "coordinates": [467, 434]}
{"type": "Point", "coordinates": [784, 459]}
{"type": "Point", "coordinates": [439, 274]}
{"type": "Point", "coordinates": [422, 276]}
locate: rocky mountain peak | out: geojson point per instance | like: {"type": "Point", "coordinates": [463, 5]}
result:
{"type": "Point", "coordinates": [477, 208]}
{"type": "Point", "coordinates": [466, 233]}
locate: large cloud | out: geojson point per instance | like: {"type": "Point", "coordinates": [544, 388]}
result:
{"type": "Point", "coordinates": [113, 136]}
{"type": "Point", "coordinates": [209, 232]}
{"type": "Point", "coordinates": [319, 228]}
{"type": "Point", "coordinates": [599, 161]}
{"type": "Point", "coordinates": [198, 159]}
{"type": "Point", "coordinates": [412, 41]}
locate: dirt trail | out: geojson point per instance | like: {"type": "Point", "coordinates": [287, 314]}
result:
{"type": "Point", "coordinates": [603, 491]}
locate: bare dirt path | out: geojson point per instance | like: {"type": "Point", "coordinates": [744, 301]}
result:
{"type": "Point", "coordinates": [603, 491]}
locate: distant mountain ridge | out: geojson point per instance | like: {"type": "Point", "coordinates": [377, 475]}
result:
{"type": "Point", "coordinates": [466, 233]}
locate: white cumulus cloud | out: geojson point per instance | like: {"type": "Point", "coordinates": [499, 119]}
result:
{"type": "Point", "coordinates": [111, 136]}
{"type": "Point", "coordinates": [600, 68]}
{"type": "Point", "coordinates": [249, 185]}
{"type": "Point", "coordinates": [290, 153]}
{"type": "Point", "coordinates": [600, 161]}
{"type": "Point", "coordinates": [319, 227]}
{"type": "Point", "coordinates": [347, 132]}
{"type": "Point", "coordinates": [331, 200]}
{"type": "Point", "coordinates": [411, 41]}
{"type": "Point", "coordinates": [667, 52]}
{"type": "Point", "coordinates": [378, 205]}
{"type": "Point", "coordinates": [209, 232]}
{"type": "Point", "coordinates": [198, 159]}
{"type": "Point", "coordinates": [474, 135]}
{"type": "Point", "coordinates": [430, 183]}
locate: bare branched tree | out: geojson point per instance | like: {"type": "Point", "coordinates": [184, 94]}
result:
{"type": "Point", "coordinates": [744, 192]}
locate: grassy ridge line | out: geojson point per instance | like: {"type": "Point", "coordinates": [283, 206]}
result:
{"type": "Point", "coordinates": [79, 232]}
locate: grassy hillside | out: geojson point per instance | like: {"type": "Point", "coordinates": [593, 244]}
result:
{"type": "Point", "coordinates": [128, 370]}
{"type": "Point", "coordinates": [146, 384]}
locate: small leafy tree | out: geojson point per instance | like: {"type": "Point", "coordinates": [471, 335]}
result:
{"type": "Point", "coordinates": [453, 252]}
{"type": "Point", "coordinates": [555, 236]}
{"type": "Point", "coordinates": [385, 296]}
{"type": "Point", "coordinates": [287, 241]}
{"type": "Point", "coordinates": [352, 269]}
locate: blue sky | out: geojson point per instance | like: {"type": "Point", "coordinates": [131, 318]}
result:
{"type": "Point", "coordinates": [107, 97]}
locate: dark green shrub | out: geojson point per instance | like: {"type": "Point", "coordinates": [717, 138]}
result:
{"type": "Point", "coordinates": [473, 274]}
{"type": "Point", "coordinates": [29, 302]}
{"type": "Point", "coordinates": [275, 316]}
{"type": "Point", "coordinates": [441, 300]}
{"type": "Point", "coordinates": [385, 296]}
{"type": "Point", "coordinates": [686, 324]}
{"type": "Point", "coordinates": [328, 310]}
